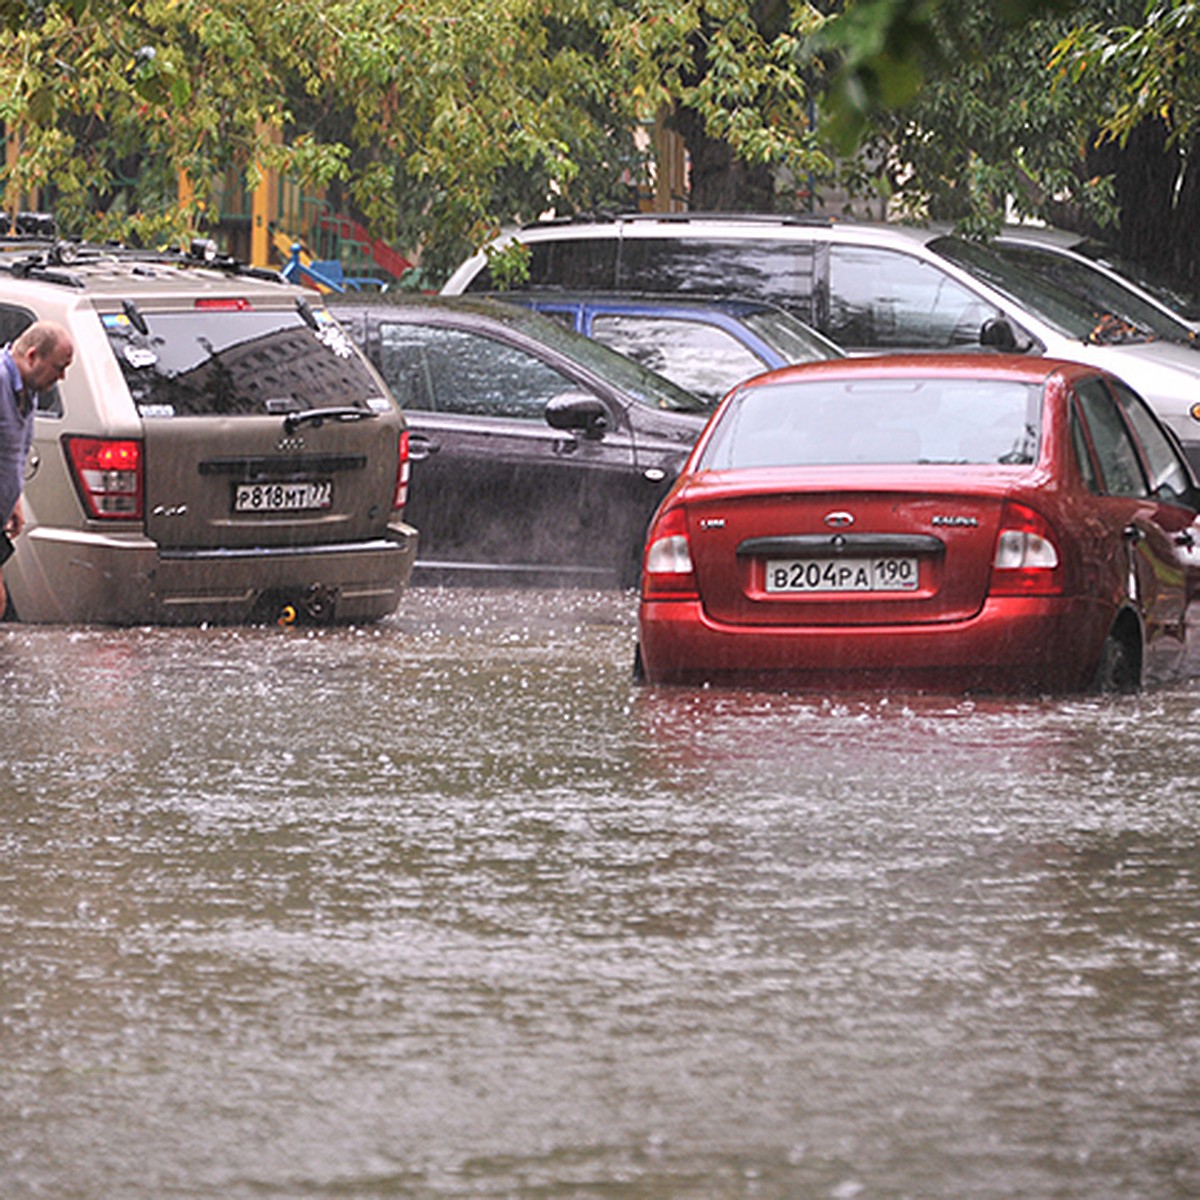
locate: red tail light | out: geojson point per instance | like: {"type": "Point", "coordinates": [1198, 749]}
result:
{"type": "Point", "coordinates": [224, 303]}
{"type": "Point", "coordinates": [403, 467]}
{"type": "Point", "coordinates": [667, 571]}
{"type": "Point", "coordinates": [108, 475]}
{"type": "Point", "coordinates": [1027, 561]}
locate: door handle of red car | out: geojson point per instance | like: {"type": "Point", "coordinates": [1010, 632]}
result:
{"type": "Point", "coordinates": [1184, 538]}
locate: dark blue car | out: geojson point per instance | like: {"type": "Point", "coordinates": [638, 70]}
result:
{"type": "Point", "coordinates": [705, 345]}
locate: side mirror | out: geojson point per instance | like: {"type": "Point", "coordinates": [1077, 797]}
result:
{"type": "Point", "coordinates": [579, 412]}
{"type": "Point", "coordinates": [997, 333]}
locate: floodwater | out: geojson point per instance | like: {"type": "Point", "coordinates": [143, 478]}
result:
{"type": "Point", "coordinates": [448, 907]}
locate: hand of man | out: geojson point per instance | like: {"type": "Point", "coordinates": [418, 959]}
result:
{"type": "Point", "coordinates": [16, 522]}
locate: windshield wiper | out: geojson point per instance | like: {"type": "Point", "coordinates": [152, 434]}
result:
{"type": "Point", "coordinates": [318, 416]}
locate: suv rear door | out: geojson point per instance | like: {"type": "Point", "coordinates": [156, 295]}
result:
{"type": "Point", "coordinates": [262, 426]}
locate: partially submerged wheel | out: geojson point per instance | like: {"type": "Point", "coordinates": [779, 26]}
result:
{"type": "Point", "coordinates": [1120, 669]}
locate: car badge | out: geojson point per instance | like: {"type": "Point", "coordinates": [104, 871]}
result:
{"type": "Point", "coordinates": [838, 520]}
{"type": "Point", "coordinates": [290, 444]}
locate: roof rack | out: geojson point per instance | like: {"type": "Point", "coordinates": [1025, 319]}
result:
{"type": "Point", "coordinates": [605, 217]}
{"type": "Point", "coordinates": [44, 257]}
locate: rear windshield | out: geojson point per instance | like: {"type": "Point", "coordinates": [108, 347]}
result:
{"type": "Point", "coordinates": [847, 421]}
{"type": "Point", "coordinates": [213, 362]}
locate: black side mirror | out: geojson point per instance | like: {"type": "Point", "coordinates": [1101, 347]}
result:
{"type": "Point", "coordinates": [579, 412]}
{"type": "Point", "coordinates": [998, 334]}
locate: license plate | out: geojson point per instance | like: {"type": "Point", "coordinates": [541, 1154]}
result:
{"type": "Point", "coordinates": [842, 575]}
{"type": "Point", "coordinates": [294, 496]}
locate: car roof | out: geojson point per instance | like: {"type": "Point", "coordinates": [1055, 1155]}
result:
{"type": "Point", "coordinates": [692, 302]}
{"type": "Point", "coordinates": [686, 224]}
{"type": "Point", "coordinates": [1015, 367]}
{"type": "Point", "coordinates": [116, 273]}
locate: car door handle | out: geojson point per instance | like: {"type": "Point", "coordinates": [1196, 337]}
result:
{"type": "Point", "coordinates": [420, 446]}
{"type": "Point", "coordinates": [565, 445]}
{"type": "Point", "coordinates": [1185, 538]}
{"type": "Point", "coordinates": [1132, 534]}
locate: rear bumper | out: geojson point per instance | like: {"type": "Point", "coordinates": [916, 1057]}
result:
{"type": "Point", "coordinates": [1014, 644]}
{"type": "Point", "coordinates": [73, 576]}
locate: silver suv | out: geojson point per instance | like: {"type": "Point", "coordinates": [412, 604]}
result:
{"type": "Point", "coordinates": [218, 451]}
{"type": "Point", "coordinates": [870, 288]}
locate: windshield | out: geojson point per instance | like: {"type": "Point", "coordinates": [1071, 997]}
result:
{"type": "Point", "coordinates": [1104, 292]}
{"type": "Point", "coordinates": [219, 362]}
{"type": "Point", "coordinates": [894, 420]}
{"type": "Point", "coordinates": [1066, 312]}
{"type": "Point", "coordinates": [790, 336]}
{"type": "Point", "coordinates": [1176, 296]}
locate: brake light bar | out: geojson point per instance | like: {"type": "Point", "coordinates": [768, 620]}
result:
{"type": "Point", "coordinates": [224, 303]}
{"type": "Point", "coordinates": [108, 473]}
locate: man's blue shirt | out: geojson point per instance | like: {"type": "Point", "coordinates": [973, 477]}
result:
{"type": "Point", "coordinates": [16, 434]}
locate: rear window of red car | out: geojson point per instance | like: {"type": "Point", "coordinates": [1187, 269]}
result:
{"type": "Point", "coordinates": [873, 420]}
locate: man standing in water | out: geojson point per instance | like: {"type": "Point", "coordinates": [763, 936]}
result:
{"type": "Point", "coordinates": [37, 360]}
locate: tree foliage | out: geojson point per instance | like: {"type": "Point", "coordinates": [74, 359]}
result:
{"type": "Point", "coordinates": [434, 119]}
{"type": "Point", "coordinates": [438, 120]}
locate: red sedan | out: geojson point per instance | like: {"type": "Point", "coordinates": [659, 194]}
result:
{"type": "Point", "coordinates": [963, 523]}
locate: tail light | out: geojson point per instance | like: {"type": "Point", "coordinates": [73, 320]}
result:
{"type": "Point", "coordinates": [667, 571]}
{"type": "Point", "coordinates": [108, 474]}
{"type": "Point", "coordinates": [1027, 561]}
{"type": "Point", "coordinates": [403, 467]}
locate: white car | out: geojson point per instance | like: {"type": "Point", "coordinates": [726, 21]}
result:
{"type": "Point", "coordinates": [870, 288]}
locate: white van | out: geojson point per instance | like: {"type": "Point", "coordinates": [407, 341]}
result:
{"type": "Point", "coordinates": [870, 288]}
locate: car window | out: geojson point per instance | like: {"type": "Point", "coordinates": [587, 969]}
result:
{"type": "Point", "coordinates": [787, 334]}
{"type": "Point", "coordinates": [704, 358]}
{"type": "Point", "coordinates": [456, 371]}
{"type": "Point", "coordinates": [1170, 481]}
{"type": "Point", "coordinates": [1112, 440]}
{"type": "Point", "coordinates": [220, 361]}
{"type": "Point", "coordinates": [773, 269]}
{"type": "Point", "coordinates": [1083, 455]}
{"type": "Point", "coordinates": [1106, 294]}
{"type": "Point", "coordinates": [879, 298]}
{"type": "Point", "coordinates": [1071, 314]}
{"type": "Point", "coordinates": [13, 322]}
{"type": "Point", "coordinates": [887, 420]}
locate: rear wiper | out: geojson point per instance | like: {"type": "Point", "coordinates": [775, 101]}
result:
{"type": "Point", "coordinates": [318, 416]}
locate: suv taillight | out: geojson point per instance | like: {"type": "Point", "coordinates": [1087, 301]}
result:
{"type": "Point", "coordinates": [400, 496]}
{"type": "Point", "coordinates": [108, 474]}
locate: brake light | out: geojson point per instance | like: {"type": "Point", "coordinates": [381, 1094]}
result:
{"type": "Point", "coordinates": [1027, 561]}
{"type": "Point", "coordinates": [667, 570]}
{"type": "Point", "coordinates": [403, 467]}
{"type": "Point", "coordinates": [108, 474]}
{"type": "Point", "coordinates": [224, 303]}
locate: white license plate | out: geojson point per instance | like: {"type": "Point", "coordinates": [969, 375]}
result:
{"type": "Point", "coordinates": [283, 497]}
{"type": "Point", "coordinates": [842, 575]}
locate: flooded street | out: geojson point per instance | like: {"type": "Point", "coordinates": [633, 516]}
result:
{"type": "Point", "coordinates": [447, 907]}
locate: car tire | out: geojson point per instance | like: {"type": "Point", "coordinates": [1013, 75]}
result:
{"type": "Point", "coordinates": [1119, 672]}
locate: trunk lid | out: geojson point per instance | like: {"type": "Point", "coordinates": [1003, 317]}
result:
{"type": "Point", "coordinates": [847, 546]}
